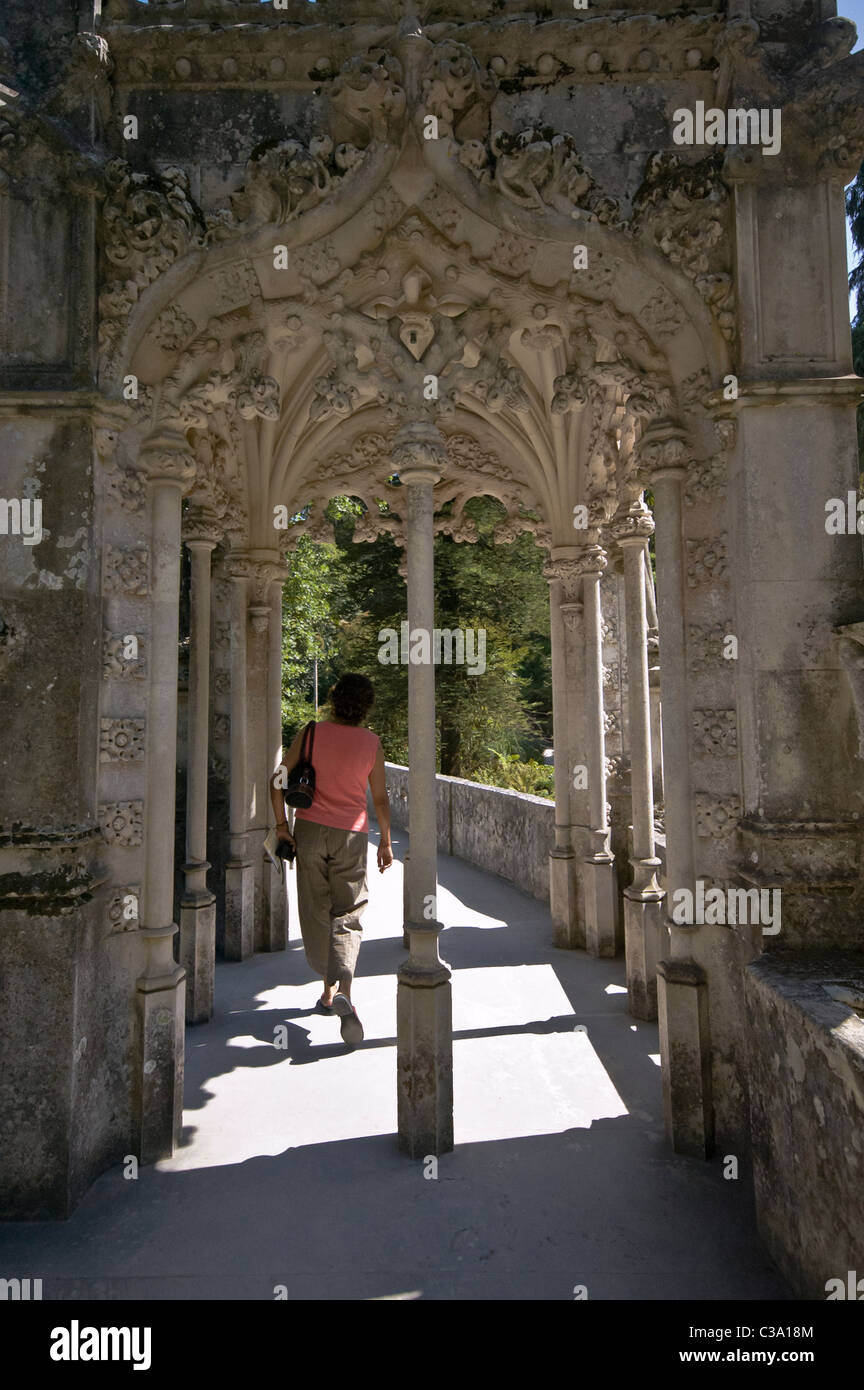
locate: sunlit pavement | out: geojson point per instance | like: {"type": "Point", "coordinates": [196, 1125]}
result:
{"type": "Point", "coordinates": [289, 1178]}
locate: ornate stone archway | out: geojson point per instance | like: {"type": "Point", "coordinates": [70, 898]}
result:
{"type": "Point", "coordinates": [466, 250]}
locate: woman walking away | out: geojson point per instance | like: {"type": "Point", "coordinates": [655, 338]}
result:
{"type": "Point", "coordinates": [331, 838]}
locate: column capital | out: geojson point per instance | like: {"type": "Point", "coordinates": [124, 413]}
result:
{"type": "Point", "coordinates": [633, 527]}
{"type": "Point", "coordinates": [201, 529]}
{"type": "Point", "coordinates": [563, 569]}
{"type": "Point", "coordinates": [419, 453]}
{"type": "Point", "coordinates": [165, 457]}
{"type": "Point", "coordinates": [664, 452]}
{"type": "Point", "coordinates": [238, 565]}
{"type": "Point", "coordinates": [592, 560]}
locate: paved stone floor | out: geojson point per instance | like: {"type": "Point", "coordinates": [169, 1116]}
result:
{"type": "Point", "coordinates": [289, 1173]}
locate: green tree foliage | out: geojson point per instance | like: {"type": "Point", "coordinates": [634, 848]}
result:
{"type": "Point", "coordinates": [344, 596]}
{"type": "Point", "coordinates": [307, 629]}
{"type": "Point", "coordinates": [501, 589]}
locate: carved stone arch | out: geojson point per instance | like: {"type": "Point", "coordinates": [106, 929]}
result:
{"type": "Point", "coordinates": [647, 312]}
{"type": "Point", "coordinates": [353, 458]}
{"type": "Point", "coordinates": [157, 242]}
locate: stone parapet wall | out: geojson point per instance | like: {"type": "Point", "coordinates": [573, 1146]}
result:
{"type": "Point", "coordinates": [806, 1083]}
{"type": "Point", "coordinates": [506, 833]}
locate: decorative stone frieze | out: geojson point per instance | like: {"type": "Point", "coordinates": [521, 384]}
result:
{"type": "Point", "coordinates": [715, 732]}
{"type": "Point", "coordinates": [122, 823]}
{"type": "Point", "coordinates": [121, 740]}
{"type": "Point", "coordinates": [716, 816]}
{"type": "Point", "coordinates": [705, 643]}
{"type": "Point", "coordinates": [706, 480]}
{"type": "Point", "coordinates": [124, 908]}
{"type": "Point", "coordinates": [127, 571]}
{"type": "Point", "coordinates": [115, 662]}
{"type": "Point", "coordinates": [706, 560]}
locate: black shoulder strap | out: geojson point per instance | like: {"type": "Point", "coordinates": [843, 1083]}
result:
{"type": "Point", "coordinates": [309, 733]}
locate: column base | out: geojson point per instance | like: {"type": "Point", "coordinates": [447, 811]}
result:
{"type": "Point", "coordinates": [424, 1049]}
{"type": "Point", "coordinates": [198, 954]}
{"type": "Point", "coordinates": [601, 907]}
{"type": "Point", "coordinates": [644, 928]}
{"type": "Point", "coordinates": [239, 909]}
{"type": "Point", "coordinates": [564, 901]}
{"type": "Point", "coordinates": [157, 1091]}
{"type": "Point", "coordinates": [682, 1007]}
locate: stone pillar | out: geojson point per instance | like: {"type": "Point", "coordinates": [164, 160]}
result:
{"type": "Point", "coordinates": [682, 1001]}
{"type": "Point", "coordinates": [643, 911]}
{"type": "Point", "coordinates": [563, 881]}
{"type": "Point", "coordinates": [601, 893]}
{"type": "Point", "coordinates": [239, 871]}
{"type": "Point", "coordinates": [198, 904]}
{"type": "Point", "coordinates": [654, 682]}
{"type": "Point", "coordinates": [258, 747]}
{"type": "Point", "coordinates": [157, 1090]}
{"type": "Point", "coordinates": [275, 884]}
{"type": "Point", "coordinates": [424, 1054]}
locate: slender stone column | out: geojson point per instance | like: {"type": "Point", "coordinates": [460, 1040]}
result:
{"type": "Point", "coordinates": [682, 999]}
{"type": "Point", "coordinates": [654, 681]}
{"type": "Point", "coordinates": [601, 893]}
{"type": "Point", "coordinates": [424, 1053]}
{"type": "Point", "coordinates": [198, 904]}
{"type": "Point", "coordinates": [239, 871]}
{"type": "Point", "coordinates": [157, 1090]}
{"type": "Point", "coordinates": [643, 910]}
{"type": "Point", "coordinates": [565, 611]}
{"type": "Point", "coordinates": [275, 889]}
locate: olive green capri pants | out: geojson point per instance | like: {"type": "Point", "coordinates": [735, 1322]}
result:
{"type": "Point", "coordinates": [331, 896]}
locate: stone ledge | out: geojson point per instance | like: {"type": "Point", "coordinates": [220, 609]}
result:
{"type": "Point", "coordinates": [806, 1085]}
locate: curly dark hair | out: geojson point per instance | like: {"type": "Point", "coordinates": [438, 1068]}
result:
{"type": "Point", "coordinates": [352, 697]}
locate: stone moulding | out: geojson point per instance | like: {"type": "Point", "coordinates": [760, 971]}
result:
{"type": "Point", "coordinates": [801, 856]}
{"type": "Point", "coordinates": [851, 652]}
{"type": "Point", "coordinates": [49, 871]}
{"type": "Point", "coordinates": [183, 51]}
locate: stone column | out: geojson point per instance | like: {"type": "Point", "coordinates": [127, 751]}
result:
{"type": "Point", "coordinates": [239, 872]}
{"type": "Point", "coordinates": [198, 904]}
{"type": "Point", "coordinates": [654, 681]}
{"type": "Point", "coordinates": [565, 615]}
{"type": "Point", "coordinates": [258, 747]}
{"type": "Point", "coordinates": [682, 997]}
{"type": "Point", "coordinates": [275, 884]}
{"type": "Point", "coordinates": [601, 893]}
{"type": "Point", "coordinates": [424, 1054]}
{"type": "Point", "coordinates": [643, 911]}
{"type": "Point", "coordinates": [157, 1089]}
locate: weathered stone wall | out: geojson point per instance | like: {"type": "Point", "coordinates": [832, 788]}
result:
{"type": "Point", "coordinates": [68, 960]}
{"type": "Point", "coordinates": [506, 833]}
{"type": "Point", "coordinates": [806, 1081]}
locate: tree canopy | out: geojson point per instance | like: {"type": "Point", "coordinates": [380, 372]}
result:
{"type": "Point", "coordinates": [340, 597]}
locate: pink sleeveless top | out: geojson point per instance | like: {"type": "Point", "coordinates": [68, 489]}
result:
{"type": "Point", "coordinates": [343, 757]}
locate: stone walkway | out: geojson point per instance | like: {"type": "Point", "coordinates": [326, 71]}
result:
{"type": "Point", "coordinates": [289, 1173]}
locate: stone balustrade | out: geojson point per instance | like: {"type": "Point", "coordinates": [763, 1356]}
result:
{"type": "Point", "coordinates": [504, 832]}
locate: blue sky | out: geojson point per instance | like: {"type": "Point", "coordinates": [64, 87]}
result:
{"type": "Point", "coordinates": [854, 10]}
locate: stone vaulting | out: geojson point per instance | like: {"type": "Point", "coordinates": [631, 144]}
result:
{"type": "Point", "coordinates": [415, 252]}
